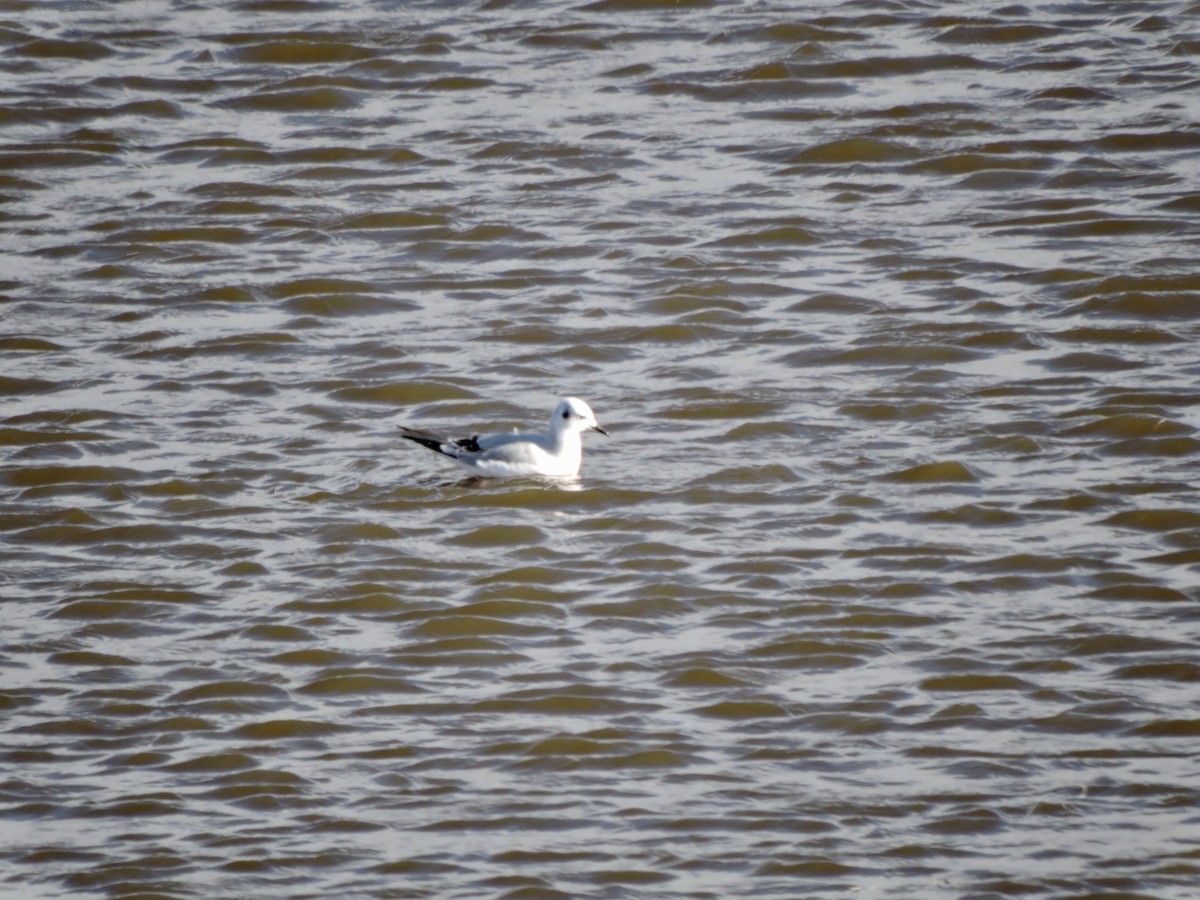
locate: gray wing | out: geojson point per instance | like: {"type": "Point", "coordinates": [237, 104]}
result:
{"type": "Point", "coordinates": [520, 449]}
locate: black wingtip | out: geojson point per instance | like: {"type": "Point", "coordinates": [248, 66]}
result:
{"type": "Point", "coordinates": [433, 442]}
{"type": "Point", "coordinates": [471, 444]}
{"type": "Point", "coordinates": [439, 444]}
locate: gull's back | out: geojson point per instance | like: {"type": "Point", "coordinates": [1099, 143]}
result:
{"type": "Point", "coordinates": [495, 441]}
{"type": "Point", "coordinates": [525, 454]}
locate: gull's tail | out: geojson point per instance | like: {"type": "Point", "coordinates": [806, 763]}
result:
{"type": "Point", "coordinates": [438, 444]}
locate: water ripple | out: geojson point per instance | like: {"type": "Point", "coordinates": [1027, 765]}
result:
{"type": "Point", "coordinates": [885, 579]}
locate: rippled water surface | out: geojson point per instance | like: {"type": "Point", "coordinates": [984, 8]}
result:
{"type": "Point", "coordinates": [886, 582]}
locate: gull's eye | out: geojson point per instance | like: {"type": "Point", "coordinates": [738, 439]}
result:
{"type": "Point", "coordinates": [566, 414]}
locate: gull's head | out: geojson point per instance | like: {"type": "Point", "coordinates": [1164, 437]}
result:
{"type": "Point", "coordinates": [572, 414]}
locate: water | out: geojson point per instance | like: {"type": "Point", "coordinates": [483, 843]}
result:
{"type": "Point", "coordinates": [884, 584]}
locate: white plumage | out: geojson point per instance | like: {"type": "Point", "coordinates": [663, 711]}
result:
{"type": "Point", "coordinates": [557, 453]}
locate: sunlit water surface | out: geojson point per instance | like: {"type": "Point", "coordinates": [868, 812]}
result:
{"type": "Point", "coordinates": [885, 583]}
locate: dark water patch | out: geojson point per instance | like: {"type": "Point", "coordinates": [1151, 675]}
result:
{"type": "Point", "coordinates": [535, 575]}
{"type": "Point", "coordinates": [1041, 565]}
{"type": "Point", "coordinates": [471, 650]}
{"type": "Point", "coordinates": [223, 690]}
{"type": "Point", "coordinates": [997, 33]}
{"type": "Point", "coordinates": [776, 235]}
{"type": "Point", "coordinates": [641, 610]}
{"type": "Point", "coordinates": [357, 682]}
{"type": "Point", "coordinates": [1155, 520]}
{"type": "Point", "coordinates": [28, 345]}
{"type": "Point", "coordinates": [705, 678]}
{"type": "Point", "coordinates": [1189, 203]}
{"type": "Point", "coordinates": [1171, 728]}
{"type": "Point", "coordinates": [217, 151]}
{"type": "Point", "coordinates": [1141, 488]}
{"type": "Point", "coordinates": [1074, 94]}
{"type": "Point", "coordinates": [320, 97]}
{"type": "Point", "coordinates": [975, 682]}
{"type": "Point", "coordinates": [265, 343]}
{"type": "Point", "coordinates": [286, 729]}
{"type": "Point", "coordinates": [420, 868]}
{"type": "Point", "coordinates": [756, 90]}
{"type": "Point", "coordinates": [1089, 361]}
{"type": "Point", "coordinates": [458, 83]}
{"type": "Point", "coordinates": [265, 632]}
{"type": "Point", "coordinates": [21, 437]}
{"type": "Point", "coordinates": [1143, 305]}
{"type": "Point", "coordinates": [225, 208]}
{"type": "Point", "coordinates": [578, 37]}
{"type": "Point", "coordinates": [1183, 671]}
{"type": "Point", "coordinates": [1136, 335]}
{"type": "Point", "coordinates": [296, 49]}
{"type": "Point", "coordinates": [370, 604]}
{"type": "Point", "coordinates": [175, 724]}
{"type": "Point", "coordinates": [1155, 400]}
{"type": "Point", "coordinates": [240, 191]}
{"type": "Point", "coordinates": [1012, 340]}
{"type": "Point", "coordinates": [402, 394]}
{"type": "Point", "coordinates": [194, 234]}
{"type": "Point", "coordinates": [774, 473]}
{"type": "Point", "coordinates": [844, 724]}
{"type": "Point", "coordinates": [889, 66]}
{"type": "Point", "coordinates": [1140, 593]}
{"type": "Point", "coordinates": [427, 225]}
{"type": "Point", "coordinates": [705, 404]}
{"type": "Point", "coordinates": [1117, 645]}
{"type": "Point", "coordinates": [952, 472]}
{"type": "Point", "coordinates": [853, 150]}
{"type": "Point", "coordinates": [15, 386]}
{"type": "Point", "coordinates": [500, 535]}
{"type": "Point", "coordinates": [90, 659]}
{"type": "Point", "coordinates": [65, 728]}
{"type": "Point", "coordinates": [836, 303]}
{"type": "Point", "coordinates": [314, 658]}
{"type": "Point", "coordinates": [744, 709]}
{"type": "Point", "coordinates": [820, 867]}
{"type": "Point", "coordinates": [1155, 447]}
{"type": "Point", "coordinates": [968, 164]}
{"type": "Point", "coordinates": [134, 807]}
{"type": "Point", "coordinates": [526, 151]}
{"type": "Point", "coordinates": [1137, 142]}
{"type": "Point", "coordinates": [1102, 226]}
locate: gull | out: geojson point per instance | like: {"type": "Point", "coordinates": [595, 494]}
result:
{"type": "Point", "coordinates": [557, 453]}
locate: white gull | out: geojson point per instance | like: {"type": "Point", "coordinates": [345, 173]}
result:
{"type": "Point", "coordinates": [557, 453]}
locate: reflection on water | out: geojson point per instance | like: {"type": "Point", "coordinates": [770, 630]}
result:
{"type": "Point", "coordinates": [885, 582]}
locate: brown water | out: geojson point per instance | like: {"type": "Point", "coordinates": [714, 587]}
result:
{"type": "Point", "coordinates": [886, 583]}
